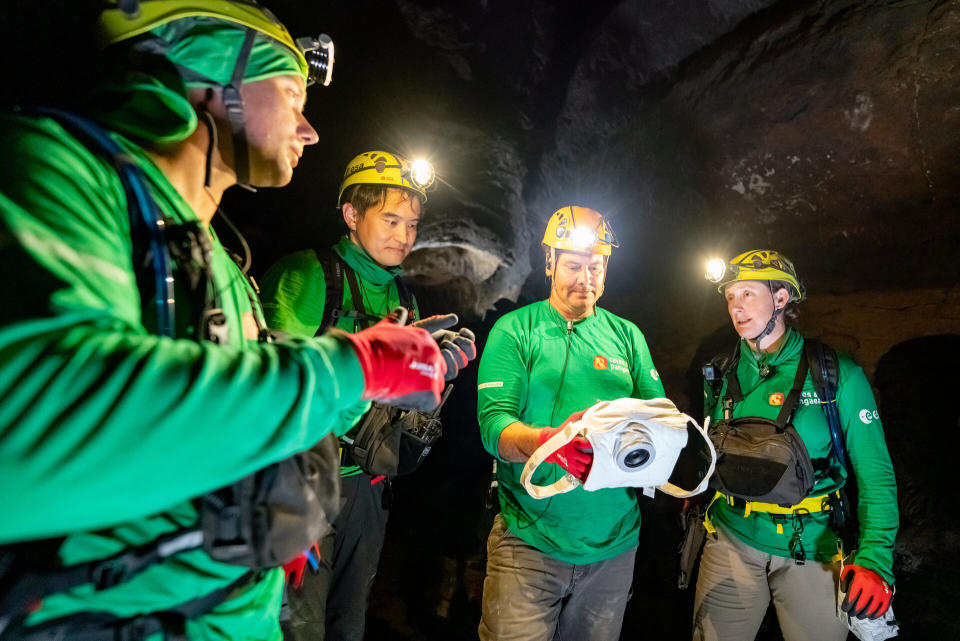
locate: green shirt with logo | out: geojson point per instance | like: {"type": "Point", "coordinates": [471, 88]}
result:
{"type": "Point", "coordinates": [537, 371]}
{"type": "Point", "coordinates": [866, 449]}
{"type": "Point", "coordinates": [108, 431]}
{"type": "Point", "coordinates": [294, 292]}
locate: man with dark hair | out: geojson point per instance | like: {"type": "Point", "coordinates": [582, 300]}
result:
{"type": "Point", "coordinates": [134, 373]}
{"type": "Point", "coordinates": [351, 286]}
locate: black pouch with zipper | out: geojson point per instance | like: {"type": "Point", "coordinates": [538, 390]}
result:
{"type": "Point", "coordinates": [763, 460]}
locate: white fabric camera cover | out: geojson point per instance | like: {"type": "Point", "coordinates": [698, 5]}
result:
{"type": "Point", "coordinates": [654, 428]}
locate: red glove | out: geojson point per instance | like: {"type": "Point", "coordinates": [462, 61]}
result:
{"type": "Point", "coordinates": [868, 595]}
{"type": "Point", "coordinates": [401, 366]}
{"type": "Point", "coordinates": [458, 348]}
{"type": "Point", "coordinates": [576, 456]}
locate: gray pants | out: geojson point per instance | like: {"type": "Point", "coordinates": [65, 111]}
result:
{"type": "Point", "coordinates": [737, 582]}
{"type": "Point", "coordinates": [530, 596]}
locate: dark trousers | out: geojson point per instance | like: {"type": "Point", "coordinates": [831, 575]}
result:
{"type": "Point", "coordinates": [331, 604]}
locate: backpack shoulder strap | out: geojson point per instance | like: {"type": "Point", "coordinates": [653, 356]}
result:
{"type": "Point", "coordinates": [142, 209]}
{"type": "Point", "coordinates": [333, 281]}
{"type": "Point", "coordinates": [730, 373]}
{"type": "Point", "coordinates": [356, 295]}
{"type": "Point", "coordinates": [825, 372]}
{"type": "Point", "coordinates": [793, 397]}
{"type": "Point", "coordinates": [405, 296]}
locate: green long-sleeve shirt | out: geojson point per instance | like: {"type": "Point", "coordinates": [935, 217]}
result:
{"type": "Point", "coordinates": [866, 448]}
{"type": "Point", "coordinates": [294, 292]}
{"type": "Point", "coordinates": [536, 371]}
{"type": "Point", "coordinates": [106, 427]}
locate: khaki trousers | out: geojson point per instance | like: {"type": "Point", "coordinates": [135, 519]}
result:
{"type": "Point", "coordinates": [737, 582]}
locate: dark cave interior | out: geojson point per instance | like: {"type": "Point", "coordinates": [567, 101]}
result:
{"type": "Point", "coordinates": [829, 130]}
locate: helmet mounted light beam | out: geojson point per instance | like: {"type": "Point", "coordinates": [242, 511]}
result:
{"type": "Point", "coordinates": [758, 265]}
{"type": "Point", "coordinates": [579, 229]}
{"type": "Point", "coordinates": [385, 169]}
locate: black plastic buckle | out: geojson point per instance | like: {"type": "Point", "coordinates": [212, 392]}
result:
{"type": "Point", "coordinates": [109, 573]}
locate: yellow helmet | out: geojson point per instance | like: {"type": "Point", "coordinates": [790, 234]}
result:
{"type": "Point", "coordinates": [757, 264]}
{"type": "Point", "coordinates": [579, 229]}
{"type": "Point", "coordinates": [389, 170]}
{"type": "Point", "coordinates": [118, 23]}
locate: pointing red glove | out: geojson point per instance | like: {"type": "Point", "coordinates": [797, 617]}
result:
{"type": "Point", "coordinates": [868, 595]}
{"type": "Point", "coordinates": [574, 457]}
{"type": "Point", "coordinates": [402, 366]}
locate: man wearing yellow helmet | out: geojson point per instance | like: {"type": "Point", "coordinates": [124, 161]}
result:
{"type": "Point", "coordinates": [794, 423]}
{"type": "Point", "coordinates": [560, 568]}
{"type": "Point", "coordinates": [350, 286]}
{"type": "Point", "coordinates": [146, 434]}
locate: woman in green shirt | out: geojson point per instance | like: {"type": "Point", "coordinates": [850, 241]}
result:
{"type": "Point", "coordinates": [757, 551]}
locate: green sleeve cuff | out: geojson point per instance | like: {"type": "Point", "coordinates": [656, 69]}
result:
{"type": "Point", "coordinates": [491, 431]}
{"type": "Point", "coordinates": [342, 359]}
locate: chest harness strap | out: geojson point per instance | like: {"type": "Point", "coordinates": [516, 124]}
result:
{"type": "Point", "coordinates": [824, 374]}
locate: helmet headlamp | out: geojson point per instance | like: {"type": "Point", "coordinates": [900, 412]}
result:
{"type": "Point", "coordinates": [421, 173]}
{"type": "Point", "coordinates": [389, 170]}
{"type": "Point", "coordinates": [580, 229]}
{"type": "Point", "coordinates": [716, 270]}
{"type": "Point", "coordinates": [758, 264]}
{"type": "Point", "coordinates": [318, 53]}
{"type": "Point", "coordinates": [583, 237]}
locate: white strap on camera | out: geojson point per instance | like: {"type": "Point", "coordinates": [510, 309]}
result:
{"type": "Point", "coordinates": [636, 443]}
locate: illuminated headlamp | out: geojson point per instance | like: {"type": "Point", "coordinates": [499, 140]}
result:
{"type": "Point", "coordinates": [319, 55]}
{"type": "Point", "coordinates": [716, 270]}
{"type": "Point", "coordinates": [583, 238]}
{"type": "Point", "coordinates": [421, 173]}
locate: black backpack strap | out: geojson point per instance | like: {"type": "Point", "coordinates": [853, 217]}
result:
{"type": "Point", "coordinates": [793, 397]}
{"type": "Point", "coordinates": [333, 298]}
{"type": "Point", "coordinates": [34, 572]}
{"type": "Point", "coordinates": [335, 271]}
{"type": "Point", "coordinates": [825, 372]}
{"type": "Point", "coordinates": [85, 626]}
{"type": "Point", "coordinates": [406, 297]}
{"type": "Point", "coordinates": [355, 294]}
{"type": "Point", "coordinates": [359, 313]}
{"type": "Point", "coordinates": [734, 393]}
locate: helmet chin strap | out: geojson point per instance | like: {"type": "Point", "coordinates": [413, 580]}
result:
{"type": "Point", "coordinates": [211, 145]}
{"type": "Point", "coordinates": [771, 324]}
{"type": "Point", "coordinates": [233, 103]}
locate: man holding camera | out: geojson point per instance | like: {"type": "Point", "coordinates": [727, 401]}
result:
{"type": "Point", "coordinates": [563, 565]}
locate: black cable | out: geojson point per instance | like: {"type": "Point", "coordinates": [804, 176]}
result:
{"type": "Point", "coordinates": [556, 400]}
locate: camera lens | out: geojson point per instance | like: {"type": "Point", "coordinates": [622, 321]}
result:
{"type": "Point", "coordinates": [634, 450]}
{"type": "Point", "coordinates": [636, 458]}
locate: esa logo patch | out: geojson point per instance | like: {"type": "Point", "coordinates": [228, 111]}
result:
{"type": "Point", "coordinates": [654, 374]}
{"type": "Point", "coordinates": [599, 362]}
{"type": "Point", "coordinates": [776, 399]}
{"type": "Point", "coordinates": [869, 416]}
